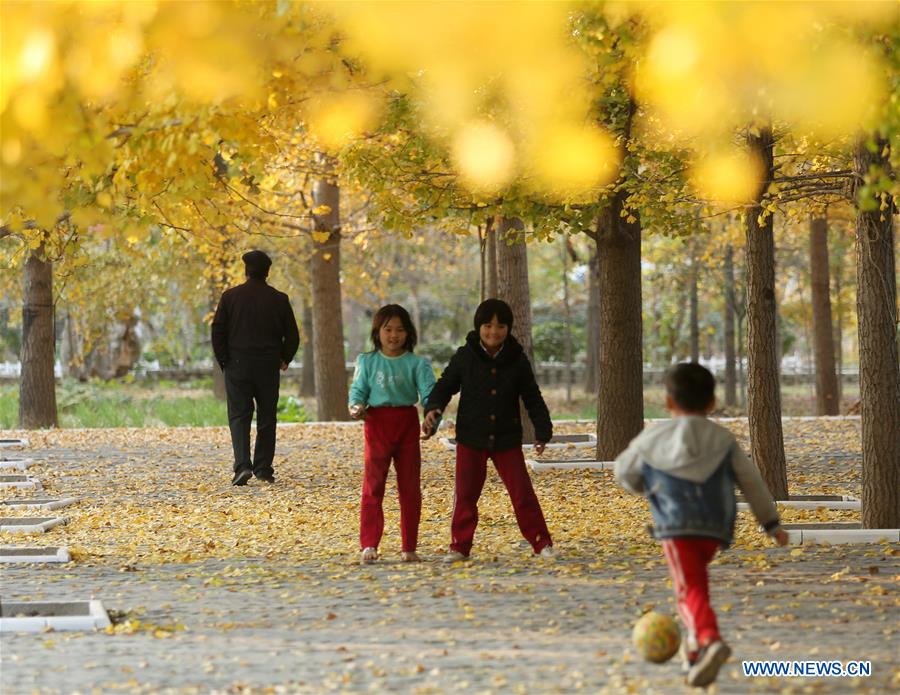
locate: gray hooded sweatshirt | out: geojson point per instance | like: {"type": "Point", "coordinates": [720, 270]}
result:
{"type": "Point", "coordinates": [691, 447]}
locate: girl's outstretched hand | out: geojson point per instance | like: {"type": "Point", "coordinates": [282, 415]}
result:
{"type": "Point", "coordinates": [358, 411]}
{"type": "Point", "coordinates": [429, 423]}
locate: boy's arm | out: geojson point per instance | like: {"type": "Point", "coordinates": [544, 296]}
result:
{"type": "Point", "coordinates": [755, 491]}
{"type": "Point", "coordinates": [425, 385]}
{"type": "Point", "coordinates": [628, 470]}
{"type": "Point", "coordinates": [446, 387]}
{"type": "Point", "coordinates": [359, 389]}
{"type": "Point", "coordinates": [534, 403]}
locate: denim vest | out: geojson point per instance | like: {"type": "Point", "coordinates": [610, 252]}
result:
{"type": "Point", "coordinates": [682, 508]}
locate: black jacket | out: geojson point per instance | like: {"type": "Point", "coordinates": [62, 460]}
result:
{"type": "Point", "coordinates": [254, 319]}
{"type": "Point", "coordinates": [488, 416]}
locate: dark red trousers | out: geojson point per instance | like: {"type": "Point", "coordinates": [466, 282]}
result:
{"type": "Point", "coordinates": [688, 559]}
{"type": "Point", "coordinates": [391, 433]}
{"type": "Point", "coordinates": [471, 472]}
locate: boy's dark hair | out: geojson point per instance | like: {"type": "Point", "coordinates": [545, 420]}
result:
{"type": "Point", "coordinates": [490, 308]}
{"type": "Point", "coordinates": [691, 386]}
{"type": "Point", "coordinates": [385, 314]}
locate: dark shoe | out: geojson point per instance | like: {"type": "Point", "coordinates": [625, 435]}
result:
{"type": "Point", "coordinates": [241, 477]}
{"type": "Point", "coordinates": [266, 477]}
{"type": "Point", "coordinates": [709, 661]}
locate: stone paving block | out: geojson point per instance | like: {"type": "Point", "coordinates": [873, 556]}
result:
{"type": "Point", "coordinates": [40, 502]}
{"type": "Point", "coordinates": [570, 464]}
{"type": "Point", "coordinates": [10, 553]}
{"type": "Point", "coordinates": [35, 616]}
{"type": "Point", "coordinates": [13, 443]}
{"type": "Point", "coordinates": [20, 481]}
{"type": "Point", "coordinates": [16, 464]}
{"type": "Point", "coordinates": [29, 524]}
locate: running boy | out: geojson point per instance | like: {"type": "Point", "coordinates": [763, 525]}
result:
{"type": "Point", "coordinates": [687, 467]}
{"type": "Point", "coordinates": [386, 385]}
{"type": "Point", "coordinates": [491, 372]}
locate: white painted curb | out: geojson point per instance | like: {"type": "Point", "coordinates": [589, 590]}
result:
{"type": "Point", "coordinates": [40, 503]}
{"type": "Point", "coordinates": [16, 464]}
{"type": "Point", "coordinates": [449, 443]}
{"type": "Point", "coordinates": [95, 617]}
{"type": "Point", "coordinates": [842, 536]}
{"type": "Point", "coordinates": [8, 553]}
{"type": "Point", "coordinates": [806, 504]}
{"type": "Point", "coordinates": [40, 525]}
{"type": "Point", "coordinates": [539, 466]}
{"type": "Point", "coordinates": [12, 443]}
{"type": "Point", "coordinates": [21, 481]}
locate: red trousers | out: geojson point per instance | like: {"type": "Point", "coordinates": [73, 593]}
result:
{"type": "Point", "coordinates": [688, 559]}
{"type": "Point", "coordinates": [471, 471]}
{"type": "Point", "coordinates": [391, 433]}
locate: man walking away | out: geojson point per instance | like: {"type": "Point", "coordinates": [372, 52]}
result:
{"type": "Point", "coordinates": [254, 334]}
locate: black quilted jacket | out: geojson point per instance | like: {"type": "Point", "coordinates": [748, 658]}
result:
{"type": "Point", "coordinates": [488, 416]}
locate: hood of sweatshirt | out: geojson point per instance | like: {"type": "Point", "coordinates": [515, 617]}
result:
{"type": "Point", "coordinates": [690, 447]}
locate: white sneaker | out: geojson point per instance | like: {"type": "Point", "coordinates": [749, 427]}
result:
{"type": "Point", "coordinates": [368, 556]}
{"type": "Point", "coordinates": [455, 556]}
{"type": "Point", "coordinates": [410, 556]}
{"type": "Point", "coordinates": [710, 660]}
{"type": "Point", "coordinates": [548, 553]}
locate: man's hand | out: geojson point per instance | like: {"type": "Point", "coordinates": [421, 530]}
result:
{"type": "Point", "coordinates": [284, 366]}
{"type": "Point", "coordinates": [429, 424]}
{"type": "Point", "coordinates": [539, 447]}
{"type": "Point", "coordinates": [358, 411]}
{"type": "Point", "coordinates": [780, 536]}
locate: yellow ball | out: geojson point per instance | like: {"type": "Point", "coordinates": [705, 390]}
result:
{"type": "Point", "coordinates": [656, 637]}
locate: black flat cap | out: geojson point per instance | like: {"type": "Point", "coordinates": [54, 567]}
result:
{"type": "Point", "coordinates": [257, 261]}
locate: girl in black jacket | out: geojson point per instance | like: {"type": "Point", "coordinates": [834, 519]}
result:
{"type": "Point", "coordinates": [492, 372]}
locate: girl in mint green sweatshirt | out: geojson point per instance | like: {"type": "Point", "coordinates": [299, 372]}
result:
{"type": "Point", "coordinates": [387, 384]}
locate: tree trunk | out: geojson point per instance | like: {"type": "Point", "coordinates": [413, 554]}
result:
{"type": "Point", "coordinates": [328, 327]}
{"type": "Point", "coordinates": [763, 390]}
{"type": "Point", "coordinates": [879, 372]}
{"type": "Point", "coordinates": [694, 319]}
{"type": "Point", "coordinates": [730, 375]}
{"type": "Point", "coordinates": [512, 288]}
{"type": "Point", "coordinates": [218, 382]}
{"type": "Point", "coordinates": [567, 317]}
{"type": "Point", "coordinates": [490, 244]}
{"type": "Point", "coordinates": [593, 322]}
{"type": "Point", "coordinates": [37, 384]}
{"type": "Point", "coordinates": [308, 370]}
{"type": "Point", "coordinates": [839, 329]}
{"type": "Point", "coordinates": [620, 398]}
{"type": "Point", "coordinates": [823, 333]}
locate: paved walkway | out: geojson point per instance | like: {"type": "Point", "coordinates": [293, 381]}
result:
{"type": "Point", "coordinates": [303, 617]}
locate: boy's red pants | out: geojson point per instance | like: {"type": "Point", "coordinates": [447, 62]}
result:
{"type": "Point", "coordinates": [471, 472]}
{"type": "Point", "coordinates": [391, 433]}
{"type": "Point", "coordinates": [688, 559]}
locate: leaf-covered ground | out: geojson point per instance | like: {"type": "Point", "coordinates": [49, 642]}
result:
{"type": "Point", "coordinates": [228, 589]}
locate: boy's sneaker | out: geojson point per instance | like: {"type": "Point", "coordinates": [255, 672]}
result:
{"type": "Point", "coordinates": [547, 553]}
{"type": "Point", "coordinates": [266, 478]}
{"type": "Point", "coordinates": [455, 556]}
{"type": "Point", "coordinates": [709, 661]}
{"type": "Point", "coordinates": [410, 556]}
{"type": "Point", "coordinates": [688, 656]}
{"type": "Point", "coordinates": [368, 556]}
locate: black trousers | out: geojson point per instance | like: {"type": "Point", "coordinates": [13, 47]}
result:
{"type": "Point", "coordinates": [249, 379]}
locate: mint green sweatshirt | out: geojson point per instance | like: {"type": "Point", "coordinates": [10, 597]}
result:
{"type": "Point", "coordinates": [380, 380]}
